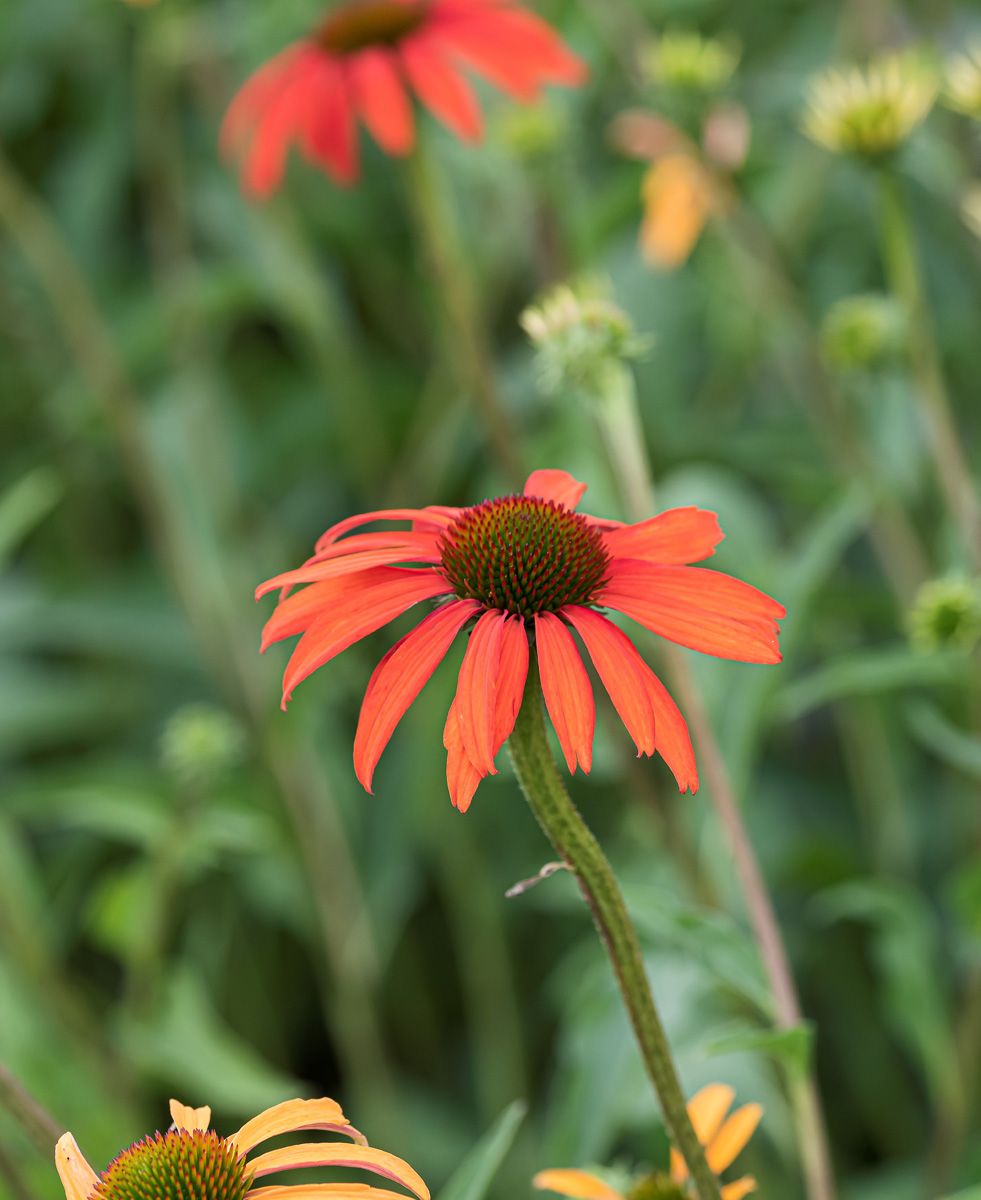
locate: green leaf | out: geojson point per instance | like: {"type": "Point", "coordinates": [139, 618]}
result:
{"type": "Point", "coordinates": [789, 1047]}
{"type": "Point", "coordinates": [24, 505]}
{"type": "Point", "coordinates": [476, 1173]}
{"type": "Point", "coordinates": [954, 746]}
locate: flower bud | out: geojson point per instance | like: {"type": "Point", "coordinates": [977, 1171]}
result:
{"type": "Point", "coordinates": [687, 62]}
{"type": "Point", "coordinates": [946, 614]}
{"type": "Point", "coordinates": [200, 744]}
{"type": "Point", "coordinates": [862, 332]}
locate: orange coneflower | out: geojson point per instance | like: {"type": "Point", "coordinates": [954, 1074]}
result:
{"type": "Point", "coordinates": [191, 1162]}
{"type": "Point", "coordinates": [360, 64]}
{"type": "Point", "coordinates": [722, 1139]}
{"type": "Point", "coordinates": [521, 569]}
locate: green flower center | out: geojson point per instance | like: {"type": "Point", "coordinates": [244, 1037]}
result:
{"type": "Point", "coordinates": [178, 1165]}
{"type": "Point", "coordinates": [524, 555]}
{"type": "Point", "coordinates": [363, 23]}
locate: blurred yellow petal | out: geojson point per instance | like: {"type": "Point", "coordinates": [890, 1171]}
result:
{"type": "Point", "coordinates": [579, 1185]}
{"type": "Point", "coordinates": [190, 1119]}
{"type": "Point", "coordinates": [77, 1177]}
{"type": "Point", "coordinates": [733, 1136]}
{"type": "Point", "coordinates": [739, 1189]}
{"type": "Point", "coordinates": [293, 1116]}
{"type": "Point", "coordinates": [323, 1191]}
{"type": "Point", "coordinates": [707, 1109]}
{"type": "Point", "coordinates": [338, 1154]}
{"type": "Point", "coordinates": [678, 199]}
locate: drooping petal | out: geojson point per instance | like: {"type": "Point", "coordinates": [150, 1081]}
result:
{"type": "Point", "coordinates": [707, 1110]}
{"type": "Point", "coordinates": [323, 1191]}
{"type": "Point", "coordinates": [399, 678]}
{"type": "Point", "coordinates": [294, 1116]}
{"type": "Point", "coordinates": [355, 614]}
{"type": "Point", "coordinates": [441, 87]}
{"type": "Point", "coordinates": [475, 44]}
{"type": "Point", "coordinates": [275, 128]}
{"type": "Point", "coordinates": [380, 99]}
{"type": "Point", "coordinates": [191, 1119]}
{"type": "Point", "coordinates": [329, 130]}
{"type": "Point", "coordinates": [565, 686]}
{"type": "Point", "coordinates": [431, 516]}
{"type": "Point", "coordinates": [622, 671]}
{"type": "Point", "coordinates": [695, 607]}
{"type": "Point", "coordinates": [338, 1154]}
{"type": "Point", "coordinates": [733, 1136]}
{"type": "Point", "coordinates": [476, 691]}
{"type": "Point", "coordinates": [673, 741]}
{"type": "Point", "coordinates": [462, 777]}
{"type": "Point", "coordinates": [356, 554]}
{"type": "Point", "coordinates": [577, 1185]}
{"type": "Point", "coordinates": [531, 42]}
{"type": "Point", "coordinates": [678, 536]}
{"type": "Point", "coordinates": [739, 1189]}
{"type": "Point", "coordinates": [254, 97]}
{"type": "Point", "coordinates": [557, 486]}
{"type": "Point", "coordinates": [77, 1177]}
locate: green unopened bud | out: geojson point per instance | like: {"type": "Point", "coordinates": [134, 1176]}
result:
{"type": "Point", "coordinates": [200, 744]}
{"type": "Point", "coordinates": [579, 332]}
{"type": "Point", "coordinates": [870, 112]}
{"type": "Point", "coordinates": [687, 62]}
{"type": "Point", "coordinates": [531, 131]}
{"type": "Point", "coordinates": [962, 82]}
{"type": "Point", "coordinates": [862, 332]}
{"type": "Point", "coordinates": [946, 614]}
{"type": "Point", "coordinates": [656, 1186]}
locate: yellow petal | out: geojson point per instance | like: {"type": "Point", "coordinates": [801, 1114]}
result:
{"type": "Point", "coordinates": [739, 1189]}
{"type": "Point", "coordinates": [706, 1109]}
{"type": "Point", "coordinates": [733, 1135]}
{"type": "Point", "coordinates": [77, 1177]}
{"type": "Point", "coordinates": [579, 1185]}
{"type": "Point", "coordinates": [678, 198]}
{"type": "Point", "coordinates": [323, 1191]}
{"type": "Point", "coordinates": [292, 1116]}
{"type": "Point", "coordinates": [337, 1154]}
{"type": "Point", "coordinates": [190, 1119]}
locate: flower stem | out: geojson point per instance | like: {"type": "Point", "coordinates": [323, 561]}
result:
{"type": "Point", "coordinates": [465, 338]}
{"type": "Point", "coordinates": [905, 277]}
{"type": "Point", "coordinates": [566, 830]}
{"type": "Point", "coordinates": [619, 420]}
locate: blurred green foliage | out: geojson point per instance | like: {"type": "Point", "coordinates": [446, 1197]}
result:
{"type": "Point", "coordinates": [194, 388]}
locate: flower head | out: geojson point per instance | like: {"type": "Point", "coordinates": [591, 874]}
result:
{"type": "Point", "coordinates": [522, 574]}
{"type": "Point", "coordinates": [687, 61]}
{"type": "Point", "coordinates": [946, 614]}
{"type": "Point", "coordinates": [362, 62]}
{"type": "Point", "coordinates": [870, 112]}
{"type": "Point", "coordinates": [722, 1138]}
{"type": "Point", "coordinates": [863, 331]}
{"type": "Point", "coordinates": [200, 743]}
{"type": "Point", "coordinates": [191, 1162]}
{"type": "Point", "coordinates": [962, 90]}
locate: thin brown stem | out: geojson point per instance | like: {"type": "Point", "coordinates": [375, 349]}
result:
{"type": "Point", "coordinates": [39, 1125]}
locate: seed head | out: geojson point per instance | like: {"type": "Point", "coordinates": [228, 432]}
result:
{"type": "Point", "coordinates": [179, 1165]}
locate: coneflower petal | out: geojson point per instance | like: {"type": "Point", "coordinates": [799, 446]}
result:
{"type": "Point", "coordinates": [732, 1137]}
{"type": "Point", "coordinates": [476, 691]}
{"type": "Point", "coordinates": [534, 42]}
{"type": "Point", "coordinates": [356, 554]}
{"type": "Point", "coordinates": [557, 486]}
{"type": "Point", "coordinates": [430, 516]}
{"type": "Point", "coordinates": [477, 45]}
{"type": "Point", "coordinates": [293, 1116]}
{"type": "Point", "coordinates": [253, 98]}
{"type": "Point", "coordinates": [337, 1154]}
{"type": "Point", "coordinates": [399, 678]}
{"type": "Point", "coordinates": [739, 1188]}
{"type": "Point", "coordinates": [323, 1191]}
{"type": "Point", "coordinates": [673, 741]}
{"type": "Point", "coordinates": [565, 686]}
{"type": "Point", "coordinates": [77, 1177]}
{"type": "Point", "coordinates": [622, 671]}
{"type": "Point", "coordinates": [577, 1185]}
{"type": "Point", "coordinates": [441, 87]}
{"type": "Point", "coordinates": [678, 536]}
{"type": "Point", "coordinates": [380, 99]}
{"type": "Point", "coordinates": [190, 1119]}
{"type": "Point", "coordinates": [329, 129]}
{"type": "Point", "coordinates": [462, 777]}
{"type": "Point", "coordinates": [265, 160]}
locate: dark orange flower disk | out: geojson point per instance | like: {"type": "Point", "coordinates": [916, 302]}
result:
{"type": "Point", "coordinates": [526, 573]}
{"type": "Point", "coordinates": [362, 63]}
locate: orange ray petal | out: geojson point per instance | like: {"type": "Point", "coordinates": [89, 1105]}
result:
{"type": "Point", "coordinates": [462, 777]}
{"type": "Point", "coordinates": [577, 1185]}
{"type": "Point", "coordinates": [678, 199]}
{"type": "Point", "coordinates": [707, 1110]}
{"type": "Point", "coordinates": [190, 1119]}
{"type": "Point", "coordinates": [294, 1116]}
{"type": "Point", "coordinates": [476, 688]}
{"type": "Point", "coordinates": [673, 741]}
{"type": "Point", "coordinates": [680, 535]}
{"type": "Point", "coordinates": [565, 686]}
{"type": "Point", "coordinates": [512, 672]}
{"type": "Point", "coordinates": [323, 1191]}
{"type": "Point", "coordinates": [77, 1177]}
{"type": "Point", "coordinates": [622, 671]}
{"type": "Point", "coordinates": [381, 99]}
{"type": "Point", "coordinates": [434, 515]}
{"type": "Point", "coordinates": [336, 1154]}
{"type": "Point", "coordinates": [733, 1136]}
{"type": "Point", "coordinates": [356, 554]}
{"type": "Point", "coordinates": [440, 86]}
{"type": "Point", "coordinates": [557, 486]}
{"type": "Point", "coordinates": [399, 678]}
{"type": "Point", "coordinates": [739, 1188]}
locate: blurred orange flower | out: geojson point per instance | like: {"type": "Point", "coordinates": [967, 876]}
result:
{"type": "Point", "coordinates": [192, 1161]}
{"type": "Point", "coordinates": [722, 1139]}
{"type": "Point", "coordinates": [521, 569]}
{"type": "Point", "coordinates": [361, 63]}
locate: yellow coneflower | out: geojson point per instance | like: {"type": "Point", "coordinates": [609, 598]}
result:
{"type": "Point", "coordinates": [962, 82]}
{"type": "Point", "coordinates": [191, 1162]}
{"type": "Point", "coordinates": [870, 112]}
{"type": "Point", "coordinates": [722, 1137]}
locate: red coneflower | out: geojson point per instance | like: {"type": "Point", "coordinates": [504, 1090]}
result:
{"type": "Point", "coordinates": [521, 569]}
{"type": "Point", "coordinates": [362, 61]}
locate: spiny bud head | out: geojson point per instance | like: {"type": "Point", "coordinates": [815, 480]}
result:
{"type": "Point", "coordinates": [178, 1165]}
{"type": "Point", "coordinates": [947, 614]}
{"type": "Point", "coordinates": [200, 743]}
{"type": "Point", "coordinates": [864, 331]}
{"type": "Point", "coordinates": [524, 556]}
{"type": "Point", "coordinates": [688, 62]}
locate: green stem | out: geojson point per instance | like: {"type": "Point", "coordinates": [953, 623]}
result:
{"type": "Point", "coordinates": [39, 1125]}
{"type": "Point", "coordinates": [566, 830]}
{"type": "Point", "coordinates": [906, 280]}
{"type": "Point", "coordinates": [619, 421]}
{"type": "Point", "coordinates": [465, 336]}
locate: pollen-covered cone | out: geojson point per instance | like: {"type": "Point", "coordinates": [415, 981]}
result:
{"type": "Point", "coordinates": [191, 1162]}
{"type": "Point", "coordinates": [523, 575]}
